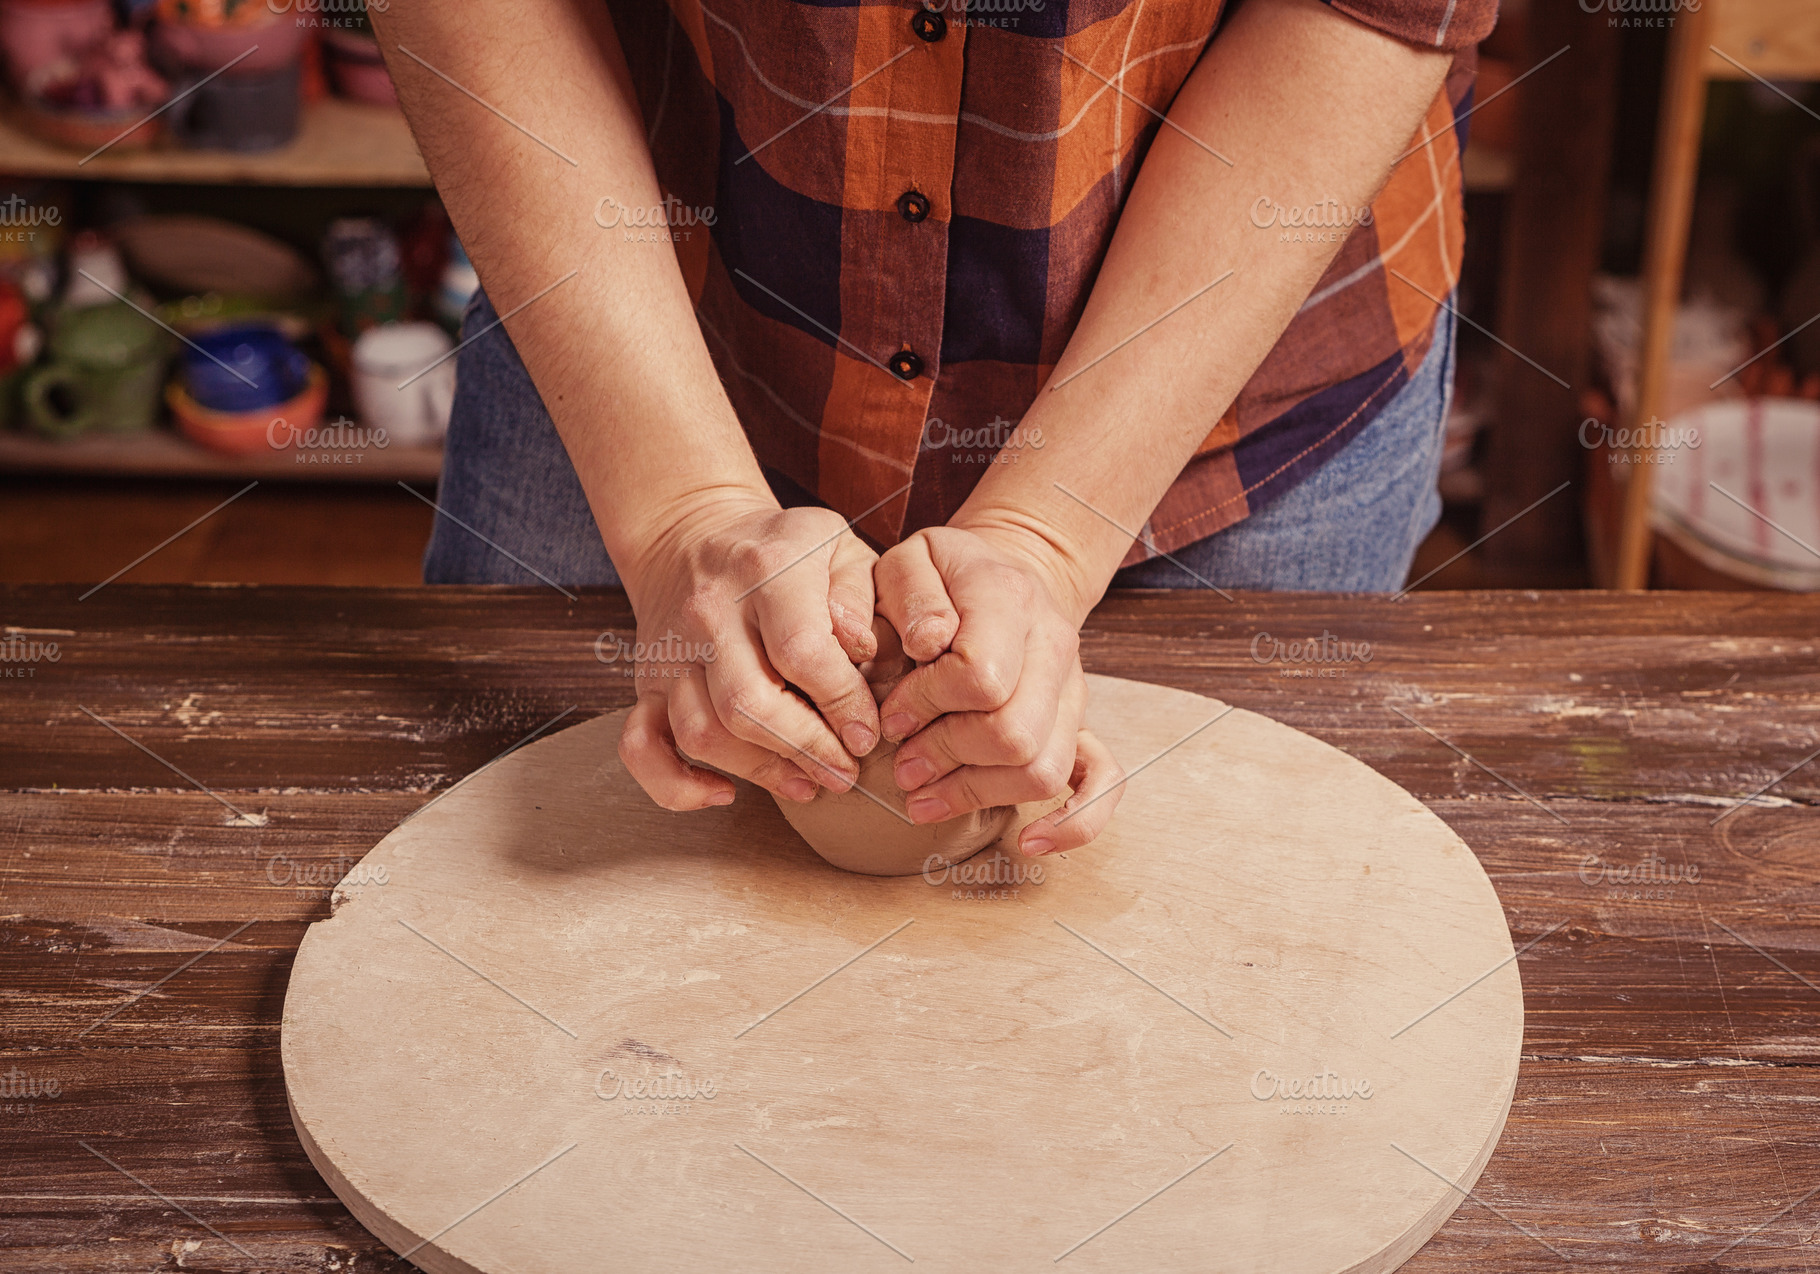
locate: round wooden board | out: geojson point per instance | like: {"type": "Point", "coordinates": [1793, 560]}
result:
{"type": "Point", "coordinates": [1080, 1072]}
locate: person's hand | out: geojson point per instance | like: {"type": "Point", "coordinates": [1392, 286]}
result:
{"type": "Point", "coordinates": [732, 604]}
{"type": "Point", "coordinates": [994, 715]}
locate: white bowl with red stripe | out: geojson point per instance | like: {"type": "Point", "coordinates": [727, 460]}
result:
{"type": "Point", "coordinates": [1739, 489]}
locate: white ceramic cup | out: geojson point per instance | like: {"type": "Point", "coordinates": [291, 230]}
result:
{"type": "Point", "coordinates": [392, 388]}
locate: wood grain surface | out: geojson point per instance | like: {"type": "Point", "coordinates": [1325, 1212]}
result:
{"type": "Point", "coordinates": [1665, 1115]}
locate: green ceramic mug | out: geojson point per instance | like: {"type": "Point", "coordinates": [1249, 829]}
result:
{"type": "Point", "coordinates": [105, 372]}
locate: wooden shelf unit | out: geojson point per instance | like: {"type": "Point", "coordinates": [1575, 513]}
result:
{"type": "Point", "coordinates": [340, 143]}
{"type": "Point", "coordinates": [160, 453]}
{"type": "Point", "coordinates": [1721, 40]}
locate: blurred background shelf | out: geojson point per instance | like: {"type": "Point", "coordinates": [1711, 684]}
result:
{"type": "Point", "coordinates": [1484, 171]}
{"type": "Point", "coordinates": [162, 454]}
{"type": "Point", "coordinates": [341, 143]}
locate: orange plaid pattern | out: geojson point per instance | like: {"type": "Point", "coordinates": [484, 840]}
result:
{"type": "Point", "coordinates": [911, 204]}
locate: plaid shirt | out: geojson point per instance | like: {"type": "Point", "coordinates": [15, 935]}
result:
{"type": "Point", "coordinates": [890, 279]}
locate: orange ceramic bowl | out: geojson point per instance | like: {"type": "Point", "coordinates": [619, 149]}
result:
{"type": "Point", "coordinates": [245, 433]}
{"type": "Point", "coordinates": [87, 130]}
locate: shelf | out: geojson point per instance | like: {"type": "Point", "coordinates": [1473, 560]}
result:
{"type": "Point", "coordinates": [159, 453]}
{"type": "Point", "coordinates": [1772, 39]}
{"type": "Point", "coordinates": [340, 143]}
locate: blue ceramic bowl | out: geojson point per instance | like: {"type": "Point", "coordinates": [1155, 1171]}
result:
{"type": "Point", "coordinates": [243, 368]}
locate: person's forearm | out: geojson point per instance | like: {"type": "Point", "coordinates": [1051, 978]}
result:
{"type": "Point", "coordinates": [1308, 106]}
{"type": "Point", "coordinates": [615, 350]}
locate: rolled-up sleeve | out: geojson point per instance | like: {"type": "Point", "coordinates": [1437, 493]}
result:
{"type": "Point", "coordinates": [1438, 24]}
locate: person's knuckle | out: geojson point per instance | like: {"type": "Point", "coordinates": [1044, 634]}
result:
{"type": "Point", "coordinates": [802, 653]}
{"type": "Point", "coordinates": [863, 555]}
{"type": "Point", "coordinates": [696, 614]}
{"type": "Point", "coordinates": [817, 524]}
{"type": "Point", "coordinates": [754, 558]}
{"type": "Point", "coordinates": [986, 681]}
{"type": "Point", "coordinates": [1012, 739]}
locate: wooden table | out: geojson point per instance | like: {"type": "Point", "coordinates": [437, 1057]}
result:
{"type": "Point", "coordinates": [1671, 1081]}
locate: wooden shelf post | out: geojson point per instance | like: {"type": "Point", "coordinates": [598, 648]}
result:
{"type": "Point", "coordinates": [1671, 202]}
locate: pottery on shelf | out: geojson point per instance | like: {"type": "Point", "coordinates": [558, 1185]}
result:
{"type": "Point", "coordinates": [404, 381]}
{"type": "Point", "coordinates": [97, 274]}
{"type": "Point", "coordinates": [356, 68]}
{"type": "Point", "coordinates": [239, 112]}
{"type": "Point", "coordinates": [459, 283]}
{"type": "Point", "coordinates": [81, 130]}
{"type": "Point", "coordinates": [105, 368]}
{"type": "Point", "coordinates": [243, 367]}
{"type": "Point", "coordinates": [38, 33]}
{"type": "Point", "coordinates": [252, 48]}
{"type": "Point", "coordinates": [20, 339]}
{"type": "Point", "coordinates": [237, 69]}
{"type": "Point", "coordinates": [248, 432]}
{"type": "Point", "coordinates": [184, 253]}
{"type": "Point", "coordinates": [366, 269]}
{"type": "Point", "coordinates": [20, 342]}
{"type": "Point", "coordinates": [104, 96]}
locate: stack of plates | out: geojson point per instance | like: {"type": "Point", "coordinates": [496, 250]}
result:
{"type": "Point", "coordinates": [1746, 499]}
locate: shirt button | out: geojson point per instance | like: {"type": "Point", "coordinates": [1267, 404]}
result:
{"type": "Point", "coordinates": [905, 365]}
{"type": "Point", "coordinates": [914, 205]}
{"type": "Point", "coordinates": [928, 25]}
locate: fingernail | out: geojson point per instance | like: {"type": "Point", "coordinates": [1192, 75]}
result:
{"type": "Point", "coordinates": [858, 738]}
{"type": "Point", "coordinates": [897, 725]}
{"type": "Point", "coordinates": [913, 773]}
{"type": "Point", "coordinates": [1037, 845]}
{"type": "Point", "coordinates": [930, 809]}
{"type": "Point", "coordinates": [721, 798]}
{"type": "Point", "coordinates": [798, 789]}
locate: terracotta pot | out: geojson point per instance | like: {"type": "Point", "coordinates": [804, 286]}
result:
{"type": "Point", "coordinates": [247, 433]}
{"type": "Point", "coordinates": [85, 130]}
